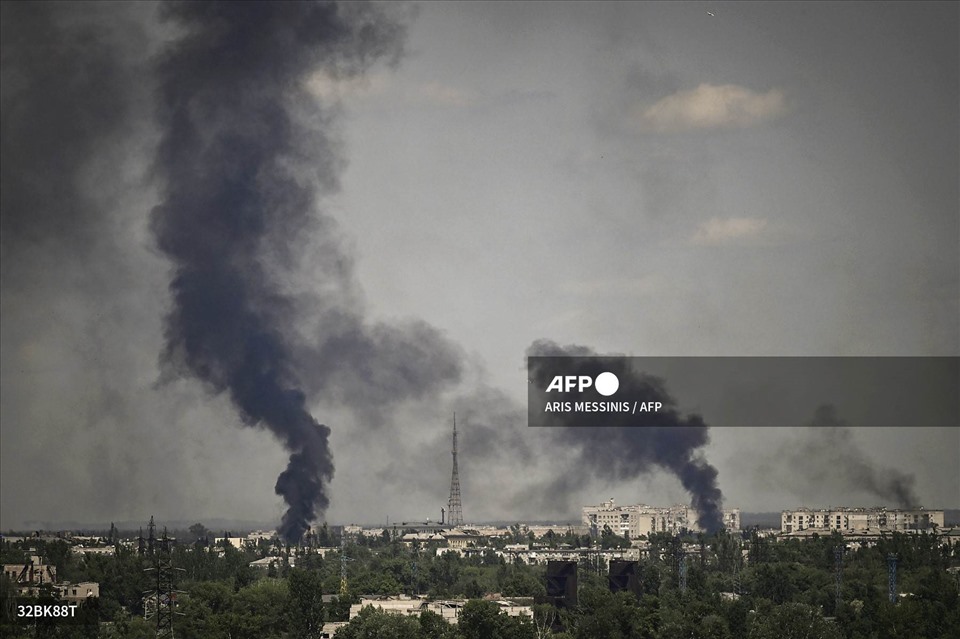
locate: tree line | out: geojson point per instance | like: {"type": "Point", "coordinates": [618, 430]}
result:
{"type": "Point", "coordinates": [734, 586]}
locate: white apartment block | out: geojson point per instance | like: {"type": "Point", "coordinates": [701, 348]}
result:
{"type": "Point", "coordinates": [640, 519]}
{"type": "Point", "coordinates": [859, 519]}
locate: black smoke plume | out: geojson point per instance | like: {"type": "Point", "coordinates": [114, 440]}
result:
{"type": "Point", "coordinates": [625, 446]}
{"type": "Point", "coordinates": [827, 456]}
{"type": "Point", "coordinates": [238, 125]}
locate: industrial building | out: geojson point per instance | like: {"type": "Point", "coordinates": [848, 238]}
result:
{"type": "Point", "coordinates": [877, 519]}
{"type": "Point", "coordinates": [640, 519]}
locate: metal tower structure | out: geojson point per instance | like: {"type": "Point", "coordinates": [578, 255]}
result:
{"type": "Point", "coordinates": [152, 539]}
{"type": "Point", "coordinates": [343, 562]}
{"type": "Point", "coordinates": [414, 580]}
{"type": "Point", "coordinates": [161, 602]}
{"type": "Point", "coordinates": [682, 571]}
{"type": "Point", "coordinates": [454, 507]}
{"type": "Point", "coordinates": [737, 584]}
{"type": "Point", "coordinates": [892, 577]}
{"type": "Point", "coordinates": [838, 571]}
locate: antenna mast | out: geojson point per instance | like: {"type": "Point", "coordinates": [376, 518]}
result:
{"type": "Point", "coordinates": [454, 507]}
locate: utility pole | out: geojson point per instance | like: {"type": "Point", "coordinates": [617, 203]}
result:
{"type": "Point", "coordinates": [838, 572]}
{"type": "Point", "coordinates": [892, 577]}
{"type": "Point", "coordinates": [343, 562]}
{"type": "Point", "coordinates": [682, 570]}
{"type": "Point", "coordinates": [737, 586]}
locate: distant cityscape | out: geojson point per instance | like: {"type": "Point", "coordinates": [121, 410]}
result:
{"type": "Point", "coordinates": [532, 544]}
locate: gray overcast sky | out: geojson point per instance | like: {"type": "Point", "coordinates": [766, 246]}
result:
{"type": "Point", "coordinates": [642, 178]}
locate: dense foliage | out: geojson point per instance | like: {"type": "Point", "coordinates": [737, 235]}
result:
{"type": "Point", "coordinates": [783, 589]}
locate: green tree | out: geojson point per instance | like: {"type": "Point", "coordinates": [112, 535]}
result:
{"type": "Point", "coordinates": [373, 623]}
{"type": "Point", "coordinates": [197, 532]}
{"type": "Point", "coordinates": [610, 539]}
{"type": "Point", "coordinates": [485, 620]}
{"type": "Point", "coordinates": [306, 602]}
{"type": "Point", "coordinates": [126, 626]}
{"type": "Point", "coordinates": [258, 611]}
{"type": "Point", "coordinates": [433, 626]}
{"type": "Point", "coordinates": [602, 614]}
{"type": "Point", "coordinates": [792, 621]}
{"type": "Point", "coordinates": [773, 581]}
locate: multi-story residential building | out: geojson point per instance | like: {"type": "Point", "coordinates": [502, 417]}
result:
{"type": "Point", "coordinates": [636, 520]}
{"type": "Point", "coordinates": [859, 519]}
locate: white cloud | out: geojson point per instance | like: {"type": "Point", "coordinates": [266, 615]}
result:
{"type": "Point", "coordinates": [713, 107]}
{"type": "Point", "coordinates": [721, 231]}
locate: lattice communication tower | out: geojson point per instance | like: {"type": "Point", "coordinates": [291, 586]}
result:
{"type": "Point", "coordinates": [454, 507]}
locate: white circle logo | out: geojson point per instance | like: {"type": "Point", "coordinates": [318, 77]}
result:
{"type": "Point", "coordinates": [607, 384]}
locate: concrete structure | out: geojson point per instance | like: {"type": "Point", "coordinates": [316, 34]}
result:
{"type": "Point", "coordinates": [265, 563]}
{"type": "Point", "coordinates": [464, 538]}
{"type": "Point", "coordinates": [842, 519]}
{"type": "Point", "coordinates": [30, 575]}
{"type": "Point", "coordinates": [540, 530]}
{"type": "Point", "coordinates": [642, 520]}
{"type": "Point", "coordinates": [422, 539]}
{"type": "Point", "coordinates": [236, 542]}
{"type": "Point", "coordinates": [329, 630]}
{"type": "Point", "coordinates": [261, 535]}
{"type": "Point", "coordinates": [515, 554]}
{"type": "Point", "coordinates": [79, 592]}
{"type": "Point", "coordinates": [486, 531]}
{"type": "Point", "coordinates": [107, 551]}
{"type": "Point", "coordinates": [448, 609]}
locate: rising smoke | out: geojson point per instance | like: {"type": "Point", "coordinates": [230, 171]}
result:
{"type": "Point", "coordinates": [245, 156]}
{"type": "Point", "coordinates": [626, 446]}
{"type": "Point", "coordinates": [828, 456]}
{"type": "Point", "coordinates": [238, 126]}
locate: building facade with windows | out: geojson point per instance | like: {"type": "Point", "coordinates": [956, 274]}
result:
{"type": "Point", "coordinates": [878, 519]}
{"type": "Point", "coordinates": [638, 520]}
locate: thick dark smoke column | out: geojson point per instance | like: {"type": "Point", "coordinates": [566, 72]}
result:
{"type": "Point", "coordinates": [238, 129]}
{"type": "Point", "coordinates": [626, 446]}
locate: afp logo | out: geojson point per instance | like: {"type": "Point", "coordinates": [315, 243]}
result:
{"type": "Point", "coordinates": [606, 383]}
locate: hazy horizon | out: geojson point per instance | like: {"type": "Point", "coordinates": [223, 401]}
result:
{"type": "Point", "coordinates": [216, 247]}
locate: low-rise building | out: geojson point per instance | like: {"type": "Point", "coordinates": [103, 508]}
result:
{"type": "Point", "coordinates": [106, 551]}
{"type": "Point", "coordinates": [266, 562]}
{"type": "Point", "coordinates": [261, 535]}
{"type": "Point", "coordinates": [79, 592]}
{"type": "Point", "coordinates": [30, 575]}
{"type": "Point", "coordinates": [34, 577]}
{"type": "Point", "coordinates": [422, 539]}
{"type": "Point", "coordinates": [463, 538]}
{"type": "Point", "coordinates": [236, 542]}
{"type": "Point", "coordinates": [448, 609]}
